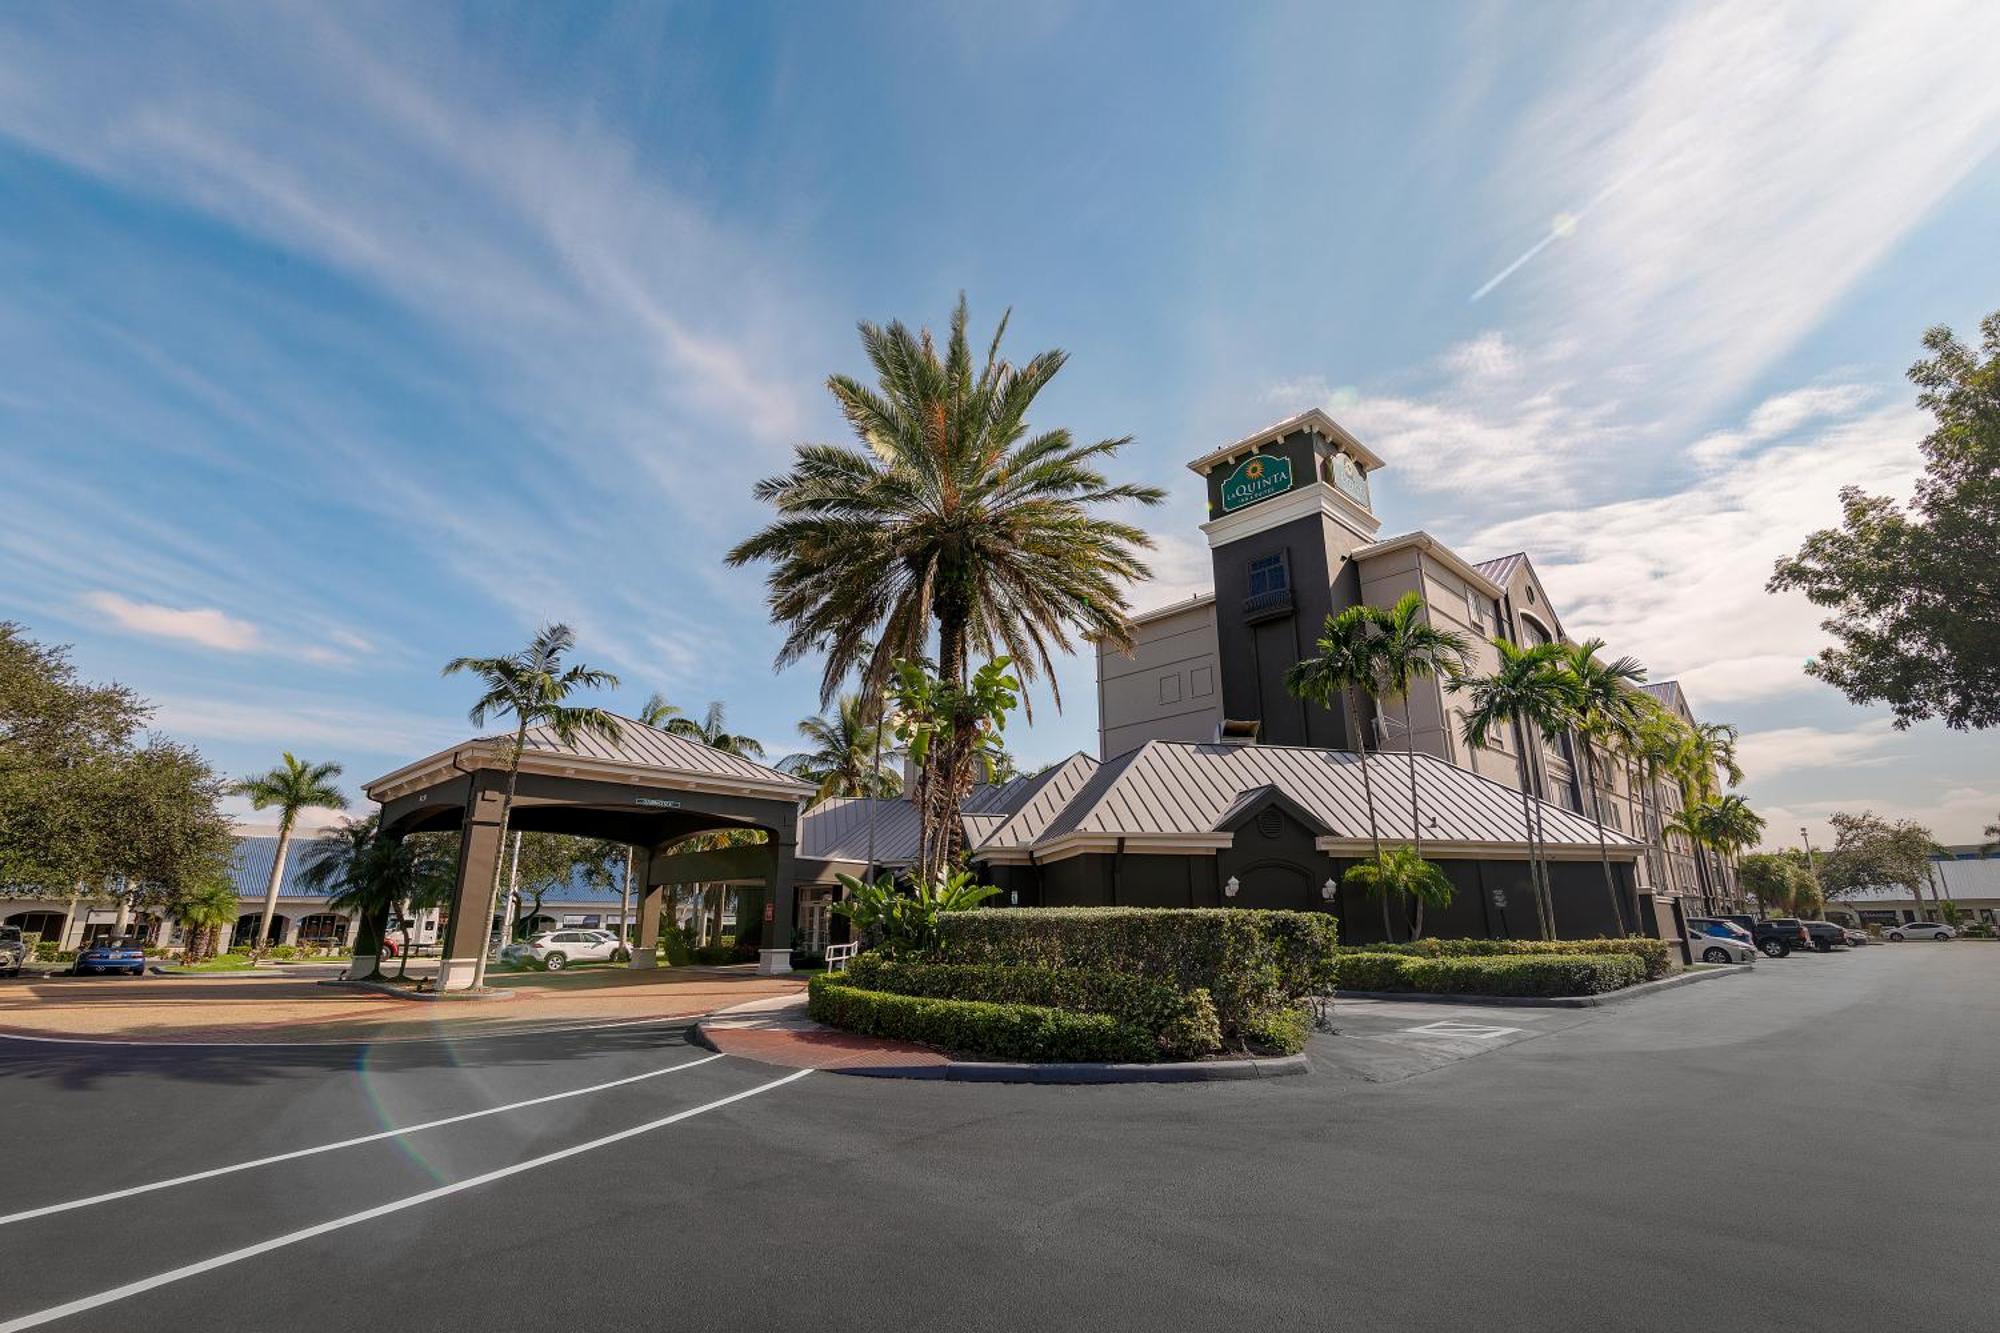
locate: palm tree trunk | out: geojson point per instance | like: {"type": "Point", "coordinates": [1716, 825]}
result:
{"type": "Point", "coordinates": [506, 813]}
{"type": "Point", "coordinates": [271, 889]}
{"type": "Point", "coordinates": [1368, 795]}
{"type": "Point", "coordinates": [625, 903]}
{"type": "Point", "coordinates": [1603, 847]}
{"type": "Point", "coordinates": [1416, 820]}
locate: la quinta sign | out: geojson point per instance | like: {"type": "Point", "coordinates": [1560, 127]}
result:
{"type": "Point", "coordinates": [1258, 477]}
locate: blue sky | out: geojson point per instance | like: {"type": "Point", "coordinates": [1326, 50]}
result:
{"type": "Point", "coordinates": [339, 340]}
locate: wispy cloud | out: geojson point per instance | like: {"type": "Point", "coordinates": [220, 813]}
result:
{"type": "Point", "coordinates": [206, 626]}
{"type": "Point", "coordinates": [1678, 579]}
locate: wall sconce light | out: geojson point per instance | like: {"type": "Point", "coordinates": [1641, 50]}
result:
{"type": "Point", "coordinates": [1329, 890]}
{"type": "Point", "coordinates": [1230, 889]}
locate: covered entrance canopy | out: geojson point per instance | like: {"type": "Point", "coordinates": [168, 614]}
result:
{"type": "Point", "coordinates": [649, 789]}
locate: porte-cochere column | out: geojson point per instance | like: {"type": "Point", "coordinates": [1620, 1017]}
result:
{"type": "Point", "coordinates": [471, 929]}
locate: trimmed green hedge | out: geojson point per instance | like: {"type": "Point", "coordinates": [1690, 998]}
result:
{"type": "Point", "coordinates": [978, 1027]}
{"type": "Point", "coordinates": [1656, 956]}
{"type": "Point", "coordinates": [1183, 1024]}
{"type": "Point", "coordinates": [1539, 974]}
{"type": "Point", "coordinates": [1251, 963]}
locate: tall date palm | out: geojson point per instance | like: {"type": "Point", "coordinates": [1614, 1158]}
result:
{"type": "Point", "coordinates": [532, 686]}
{"type": "Point", "coordinates": [952, 519]}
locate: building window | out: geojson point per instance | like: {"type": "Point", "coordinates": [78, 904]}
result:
{"type": "Point", "coordinates": [1267, 575]}
{"type": "Point", "coordinates": [1170, 688]}
{"type": "Point", "coordinates": [1472, 616]}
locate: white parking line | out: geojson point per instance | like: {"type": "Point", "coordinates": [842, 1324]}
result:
{"type": "Point", "coordinates": [213, 1172]}
{"type": "Point", "coordinates": [63, 1311]}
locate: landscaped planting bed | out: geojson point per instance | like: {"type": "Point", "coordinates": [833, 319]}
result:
{"type": "Point", "coordinates": [979, 1027]}
{"type": "Point", "coordinates": [1538, 974]}
{"type": "Point", "coordinates": [1655, 955]}
{"type": "Point", "coordinates": [1095, 984]}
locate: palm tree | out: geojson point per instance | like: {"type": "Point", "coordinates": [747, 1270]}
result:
{"type": "Point", "coordinates": [1531, 692]}
{"type": "Point", "coordinates": [658, 713]}
{"type": "Point", "coordinates": [1607, 713]}
{"type": "Point", "coordinates": [953, 518]}
{"type": "Point", "coordinates": [846, 758]}
{"type": "Point", "coordinates": [292, 786]}
{"type": "Point", "coordinates": [1345, 665]}
{"type": "Point", "coordinates": [711, 731]}
{"type": "Point", "coordinates": [202, 911]}
{"type": "Point", "coordinates": [1408, 648]}
{"type": "Point", "coordinates": [1992, 833]}
{"type": "Point", "coordinates": [1401, 873]}
{"type": "Point", "coordinates": [1725, 825]}
{"type": "Point", "coordinates": [531, 686]}
{"type": "Point", "coordinates": [1705, 748]}
{"type": "Point", "coordinates": [1658, 748]}
{"type": "Point", "coordinates": [362, 872]}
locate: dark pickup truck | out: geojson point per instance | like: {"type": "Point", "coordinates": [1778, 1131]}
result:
{"type": "Point", "coordinates": [1775, 938]}
{"type": "Point", "coordinates": [1826, 936]}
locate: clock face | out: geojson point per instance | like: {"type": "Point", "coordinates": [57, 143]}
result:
{"type": "Point", "coordinates": [1349, 478]}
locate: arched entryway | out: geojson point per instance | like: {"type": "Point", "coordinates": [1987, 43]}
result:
{"type": "Point", "coordinates": [47, 925]}
{"type": "Point", "coordinates": [323, 930]}
{"type": "Point", "coordinates": [246, 929]}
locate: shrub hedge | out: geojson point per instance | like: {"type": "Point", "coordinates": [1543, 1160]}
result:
{"type": "Point", "coordinates": [1657, 957]}
{"type": "Point", "coordinates": [1532, 974]}
{"type": "Point", "coordinates": [1182, 1024]}
{"type": "Point", "coordinates": [978, 1027]}
{"type": "Point", "coordinates": [1251, 963]}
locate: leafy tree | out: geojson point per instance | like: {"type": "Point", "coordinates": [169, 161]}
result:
{"type": "Point", "coordinates": [292, 786]}
{"type": "Point", "coordinates": [1608, 715]}
{"type": "Point", "coordinates": [1772, 880]}
{"type": "Point", "coordinates": [533, 686]}
{"type": "Point", "coordinates": [82, 803]}
{"type": "Point", "coordinates": [953, 518]}
{"type": "Point", "coordinates": [1409, 648]}
{"type": "Point", "coordinates": [1343, 667]}
{"type": "Point", "coordinates": [1992, 833]}
{"type": "Point", "coordinates": [1915, 594]}
{"type": "Point", "coordinates": [847, 753]}
{"type": "Point", "coordinates": [1872, 852]}
{"type": "Point", "coordinates": [1402, 874]}
{"type": "Point", "coordinates": [1533, 692]}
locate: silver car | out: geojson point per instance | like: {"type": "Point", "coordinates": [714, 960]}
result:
{"type": "Point", "coordinates": [554, 950]}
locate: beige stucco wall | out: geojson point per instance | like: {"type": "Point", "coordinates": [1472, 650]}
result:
{"type": "Point", "coordinates": [1169, 687]}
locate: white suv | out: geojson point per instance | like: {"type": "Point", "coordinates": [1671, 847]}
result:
{"type": "Point", "coordinates": [557, 949]}
{"type": "Point", "coordinates": [1920, 930]}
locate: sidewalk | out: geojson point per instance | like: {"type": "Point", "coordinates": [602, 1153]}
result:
{"type": "Point", "coordinates": [774, 1030]}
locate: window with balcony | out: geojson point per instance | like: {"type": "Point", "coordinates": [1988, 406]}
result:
{"type": "Point", "coordinates": [1270, 591]}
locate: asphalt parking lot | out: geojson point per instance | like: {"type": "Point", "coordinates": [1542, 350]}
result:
{"type": "Point", "coordinates": [1761, 1151]}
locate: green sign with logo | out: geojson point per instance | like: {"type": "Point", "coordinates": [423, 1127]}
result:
{"type": "Point", "coordinates": [1258, 477]}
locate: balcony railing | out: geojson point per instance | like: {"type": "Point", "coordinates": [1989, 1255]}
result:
{"type": "Point", "coordinates": [1268, 605]}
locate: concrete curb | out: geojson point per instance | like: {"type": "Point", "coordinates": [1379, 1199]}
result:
{"type": "Point", "coordinates": [996, 1071]}
{"type": "Point", "coordinates": [405, 993]}
{"type": "Point", "coordinates": [1708, 972]}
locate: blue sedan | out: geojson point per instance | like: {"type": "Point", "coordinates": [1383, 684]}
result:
{"type": "Point", "coordinates": [112, 956]}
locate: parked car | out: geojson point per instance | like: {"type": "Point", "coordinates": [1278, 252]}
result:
{"type": "Point", "coordinates": [113, 955]}
{"type": "Point", "coordinates": [13, 950]}
{"type": "Point", "coordinates": [1826, 936]}
{"type": "Point", "coordinates": [1921, 930]}
{"type": "Point", "coordinates": [1724, 944]}
{"type": "Point", "coordinates": [1856, 937]}
{"type": "Point", "coordinates": [1714, 925]}
{"type": "Point", "coordinates": [556, 949]}
{"type": "Point", "coordinates": [1775, 938]}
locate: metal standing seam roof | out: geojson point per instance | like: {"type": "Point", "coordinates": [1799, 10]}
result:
{"type": "Point", "coordinates": [1502, 568]}
{"type": "Point", "coordinates": [1007, 813]}
{"type": "Point", "coordinates": [1169, 787]}
{"type": "Point", "coordinates": [649, 747]}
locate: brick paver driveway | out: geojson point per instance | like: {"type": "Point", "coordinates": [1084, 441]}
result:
{"type": "Point", "coordinates": [280, 1009]}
